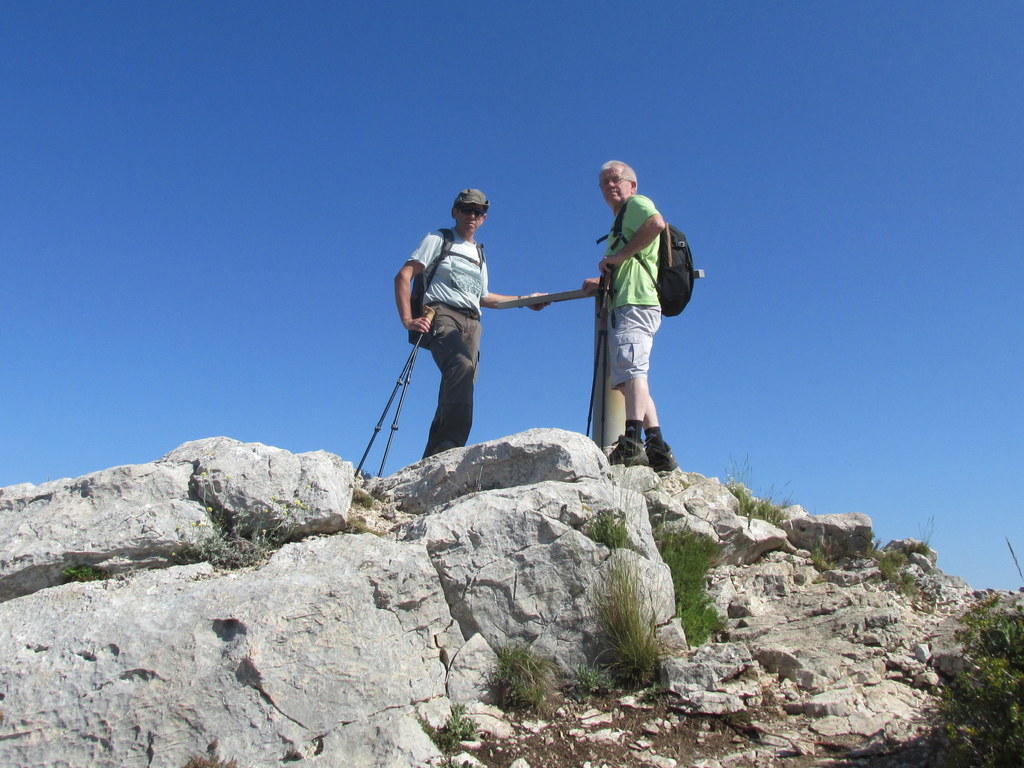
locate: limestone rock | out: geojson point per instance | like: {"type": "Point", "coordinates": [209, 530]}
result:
{"type": "Point", "coordinates": [333, 640]}
{"type": "Point", "coordinates": [255, 486]}
{"type": "Point", "coordinates": [335, 650]}
{"type": "Point", "coordinates": [515, 569]}
{"type": "Point", "coordinates": [709, 508]}
{"type": "Point", "coordinates": [844, 535]}
{"type": "Point", "coordinates": [523, 459]}
{"type": "Point", "coordinates": [470, 673]}
{"type": "Point", "coordinates": [914, 547]}
{"type": "Point", "coordinates": [118, 519]}
{"type": "Point", "coordinates": [707, 667]}
{"type": "Point", "coordinates": [132, 517]}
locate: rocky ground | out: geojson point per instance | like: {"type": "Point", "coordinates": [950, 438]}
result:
{"type": "Point", "coordinates": [847, 668]}
{"type": "Point", "coordinates": [648, 732]}
{"type": "Point", "coordinates": [885, 722]}
{"type": "Point", "coordinates": [337, 648]}
{"type": "Point", "coordinates": [850, 672]}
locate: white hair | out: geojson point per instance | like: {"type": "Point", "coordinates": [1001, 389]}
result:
{"type": "Point", "coordinates": [624, 170]}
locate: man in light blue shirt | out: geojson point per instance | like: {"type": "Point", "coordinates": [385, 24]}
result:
{"type": "Point", "coordinates": [456, 292]}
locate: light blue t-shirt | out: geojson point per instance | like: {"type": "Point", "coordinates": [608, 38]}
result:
{"type": "Point", "coordinates": [460, 280]}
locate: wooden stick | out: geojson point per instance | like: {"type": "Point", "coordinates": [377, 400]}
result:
{"type": "Point", "coordinates": [547, 298]}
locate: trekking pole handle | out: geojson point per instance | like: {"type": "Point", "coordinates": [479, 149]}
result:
{"type": "Point", "coordinates": [428, 313]}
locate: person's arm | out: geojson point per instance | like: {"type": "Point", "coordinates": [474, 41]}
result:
{"type": "Point", "coordinates": [491, 300]}
{"type": "Point", "coordinates": [648, 232]}
{"type": "Point", "coordinates": [403, 290]}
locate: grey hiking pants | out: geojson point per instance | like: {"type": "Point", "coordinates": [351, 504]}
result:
{"type": "Point", "coordinates": [456, 350]}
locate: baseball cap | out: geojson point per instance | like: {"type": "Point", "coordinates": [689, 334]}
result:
{"type": "Point", "coordinates": [471, 197]}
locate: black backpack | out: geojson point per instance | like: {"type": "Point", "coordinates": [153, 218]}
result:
{"type": "Point", "coordinates": [419, 284]}
{"type": "Point", "coordinates": [674, 282]}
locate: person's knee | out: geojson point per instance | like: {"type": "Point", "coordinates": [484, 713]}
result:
{"type": "Point", "coordinates": [460, 367]}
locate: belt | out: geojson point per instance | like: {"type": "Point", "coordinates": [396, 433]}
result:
{"type": "Point", "coordinates": [471, 314]}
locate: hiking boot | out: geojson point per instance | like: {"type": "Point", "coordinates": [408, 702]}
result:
{"type": "Point", "coordinates": [661, 458]}
{"type": "Point", "coordinates": [628, 451]}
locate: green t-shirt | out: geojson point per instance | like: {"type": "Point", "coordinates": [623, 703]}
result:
{"type": "Point", "coordinates": [632, 283]}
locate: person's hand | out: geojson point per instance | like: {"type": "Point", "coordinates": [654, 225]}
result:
{"type": "Point", "coordinates": [607, 264]}
{"type": "Point", "coordinates": [418, 324]}
{"type": "Point", "coordinates": [538, 307]}
{"type": "Point", "coordinates": [590, 285]}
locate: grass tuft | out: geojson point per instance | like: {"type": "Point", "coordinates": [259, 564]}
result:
{"type": "Point", "coordinates": [524, 679]}
{"type": "Point", "coordinates": [891, 563]}
{"type": "Point", "coordinates": [609, 529]}
{"type": "Point", "coordinates": [822, 558]}
{"type": "Point", "coordinates": [751, 506]}
{"type": "Point", "coordinates": [362, 499]}
{"type": "Point", "coordinates": [210, 760]}
{"type": "Point", "coordinates": [83, 572]}
{"type": "Point", "coordinates": [626, 616]}
{"type": "Point", "coordinates": [755, 508]}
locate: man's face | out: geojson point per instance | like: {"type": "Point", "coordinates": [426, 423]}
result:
{"type": "Point", "coordinates": [616, 190]}
{"type": "Point", "coordinates": [468, 219]}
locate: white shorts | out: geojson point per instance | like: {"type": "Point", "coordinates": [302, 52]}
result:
{"type": "Point", "coordinates": [630, 340]}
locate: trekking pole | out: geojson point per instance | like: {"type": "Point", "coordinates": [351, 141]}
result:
{"type": "Point", "coordinates": [403, 382]}
{"type": "Point", "coordinates": [600, 352]}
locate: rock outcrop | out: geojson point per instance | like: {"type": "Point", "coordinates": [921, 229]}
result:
{"type": "Point", "coordinates": [342, 644]}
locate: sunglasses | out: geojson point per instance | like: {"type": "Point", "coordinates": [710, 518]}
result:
{"type": "Point", "coordinates": [473, 211]}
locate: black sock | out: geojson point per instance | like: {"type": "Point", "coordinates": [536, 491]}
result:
{"type": "Point", "coordinates": [654, 437]}
{"type": "Point", "coordinates": [633, 429]}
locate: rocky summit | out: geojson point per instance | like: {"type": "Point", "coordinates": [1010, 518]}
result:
{"type": "Point", "coordinates": [377, 606]}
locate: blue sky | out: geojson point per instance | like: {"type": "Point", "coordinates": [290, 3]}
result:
{"type": "Point", "coordinates": [203, 205]}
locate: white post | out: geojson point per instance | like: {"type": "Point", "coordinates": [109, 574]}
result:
{"type": "Point", "coordinates": [609, 404]}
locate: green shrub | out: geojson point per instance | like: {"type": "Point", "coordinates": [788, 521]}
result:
{"type": "Point", "coordinates": [222, 542]}
{"type": "Point", "coordinates": [523, 678]}
{"type": "Point", "coordinates": [84, 573]}
{"type": "Point", "coordinates": [891, 563]}
{"type": "Point", "coordinates": [459, 728]}
{"type": "Point", "coordinates": [228, 551]}
{"type": "Point", "coordinates": [362, 500]}
{"type": "Point", "coordinates": [626, 617]}
{"type": "Point", "coordinates": [689, 556]}
{"type": "Point", "coordinates": [983, 708]}
{"type": "Point", "coordinates": [592, 681]}
{"type": "Point", "coordinates": [609, 529]}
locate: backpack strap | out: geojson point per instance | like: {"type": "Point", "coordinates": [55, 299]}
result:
{"type": "Point", "coordinates": [661, 240]}
{"type": "Point", "coordinates": [664, 256]}
{"type": "Point", "coordinates": [447, 239]}
{"type": "Point", "coordinates": [617, 233]}
{"type": "Point", "coordinates": [617, 225]}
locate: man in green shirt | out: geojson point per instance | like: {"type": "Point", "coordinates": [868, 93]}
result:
{"type": "Point", "coordinates": [634, 314]}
